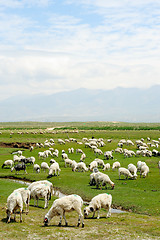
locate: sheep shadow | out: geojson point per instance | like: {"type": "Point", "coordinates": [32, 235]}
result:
{"type": "Point", "coordinates": [62, 226]}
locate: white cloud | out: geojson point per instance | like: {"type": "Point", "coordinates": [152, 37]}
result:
{"type": "Point", "coordinates": [55, 51]}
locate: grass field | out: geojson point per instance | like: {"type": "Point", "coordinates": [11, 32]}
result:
{"type": "Point", "coordinates": [141, 197]}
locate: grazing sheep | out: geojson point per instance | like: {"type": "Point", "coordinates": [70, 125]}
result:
{"type": "Point", "coordinates": [46, 182]}
{"type": "Point", "coordinates": [68, 162]}
{"type": "Point", "coordinates": [132, 168]}
{"type": "Point", "coordinates": [60, 141]}
{"type": "Point", "coordinates": [36, 168]}
{"type": "Point", "coordinates": [92, 165]}
{"type": "Point", "coordinates": [102, 180]}
{"type": "Point", "coordinates": [52, 161]}
{"type": "Point", "coordinates": [64, 156]}
{"type": "Point", "coordinates": [18, 167]}
{"type": "Point", "coordinates": [159, 166]}
{"type": "Point", "coordinates": [83, 156]}
{"type": "Point", "coordinates": [8, 163]}
{"type": "Point", "coordinates": [14, 201]}
{"type": "Point", "coordinates": [103, 200]}
{"type": "Point", "coordinates": [65, 204]}
{"type": "Point", "coordinates": [106, 166]}
{"type": "Point", "coordinates": [108, 155]}
{"type": "Point", "coordinates": [144, 170]}
{"type": "Point", "coordinates": [116, 165]}
{"type": "Point", "coordinates": [41, 191]}
{"type": "Point", "coordinates": [42, 155]}
{"type": "Point", "coordinates": [44, 166]}
{"type": "Point", "coordinates": [81, 166]}
{"type": "Point", "coordinates": [125, 172]}
{"type": "Point", "coordinates": [100, 162]}
{"type": "Point", "coordinates": [98, 151]}
{"type": "Point", "coordinates": [78, 150]}
{"type": "Point", "coordinates": [30, 160]}
{"type": "Point", "coordinates": [54, 168]}
{"type": "Point", "coordinates": [118, 150]}
{"type": "Point", "coordinates": [25, 193]}
{"type": "Point", "coordinates": [74, 165]}
{"type": "Point", "coordinates": [139, 165]}
{"type": "Point", "coordinates": [129, 142]}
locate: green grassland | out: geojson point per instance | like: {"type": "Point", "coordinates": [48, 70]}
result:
{"type": "Point", "coordinates": [140, 198]}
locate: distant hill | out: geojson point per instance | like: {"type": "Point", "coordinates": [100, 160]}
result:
{"type": "Point", "coordinates": [119, 104]}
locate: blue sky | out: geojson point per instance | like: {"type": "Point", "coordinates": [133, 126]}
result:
{"type": "Point", "coordinates": [48, 46]}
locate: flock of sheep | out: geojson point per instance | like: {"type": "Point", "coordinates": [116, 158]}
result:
{"type": "Point", "coordinates": [44, 188]}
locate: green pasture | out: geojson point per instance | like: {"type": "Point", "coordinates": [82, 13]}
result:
{"type": "Point", "coordinates": [140, 198]}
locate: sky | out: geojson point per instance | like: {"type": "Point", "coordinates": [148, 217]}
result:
{"type": "Point", "coordinates": [49, 46]}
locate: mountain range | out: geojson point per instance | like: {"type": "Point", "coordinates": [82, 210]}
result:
{"type": "Point", "coordinates": [119, 104]}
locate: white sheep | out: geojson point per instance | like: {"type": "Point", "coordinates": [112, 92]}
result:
{"type": "Point", "coordinates": [108, 154]}
{"type": "Point", "coordinates": [64, 155]}
{"type": "Point", "coordinates": [100, 162]}
{"type": "Point", "coordinates": [14, 201]}
{"type": "Point", "coordinates": [54, 168]}
{"type": "Point", "coordinates": [65, 204]}
{"type": "Point", "coordinates": [41, 191]}
{"type": "Point", "coordinates": [116, 165]}
{"type": "Point", "coordinates": [83, 156]}
{"type": "Point", "coordinates": [60, 141]}
{"type": "Point", "coordinates": [92, 165]}
{"type": "Point", "coordinates": [74, 165]}
{"type": "Point", "coordinates": [159, 166]}
{"type": "Point", "coordinates": [68, 162]}
{"type": "Point", "coordinates": [8, 163]}
{"type": "Point", "coordinates": [81, 166]}
{"type": "Point", "coordinates": [36, 168]}
{"type": "Point", "coordinates": [103, 200]}
{"type": "Point", "coordinates": [125, 172]}
{"type": "Point", "coordinates": [98, 151]}
{"type": "Point", "coordinates": [139, 165]}
{"type": "Point", "coordinates": [46, 182]}
{"type": "Point", "coordinates": [102, 180]}
{"type": "Point", "coordinates": [25, 193]}
{"type": "Point", "coordinates": [78, 150]}
{"type": "Point", "coordinates": [44, 166]}
{"type": "Point", "coordinates": [144, 170]}
{"type": "Point", "coordinates": [106, 166]}
{"type": "Point", "coordinates": [132, 168]}
{"type": "Point", "coordinates": [42, 155]}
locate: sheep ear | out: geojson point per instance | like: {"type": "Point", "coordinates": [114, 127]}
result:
{"type": "Point", "coordinates": [91, 208]}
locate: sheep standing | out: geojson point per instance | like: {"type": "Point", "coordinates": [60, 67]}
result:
{"type": "Point", "coordinates": [14, 201]}
{"type": "Point", "coordinates": [81, 166]}
{"type": "Point", "coordinates": [54, 168]}
{"type": "Point", "coordinates": [92, 165]}
{"type": "Point", "coordinates": [41, 191]}
{"type": "Point", "coordinates": [125, 172]}
{"type": "Point", "coordinates": [144, 170]}
{"type": "Point", "coordinates": [116, 165]}
{"type": "Point", "coordinates": [103, 200]}
{"type": "Point", "coordinates": [8, 163]}
{"type": "Point", "coordinates": [159, 166]}
{"type": "Point", "coordinates": [106, 166]}
{"type": "Point", "coordinates": [103, 179]}
{"type": "Point", "coordinates": [25, 193]}
{"type": "Point", "coordinates": [46, 182]}
{"type": "Point", "coordinates": [18, 167]}
{"type": "Point", "coordinates": [65, 204]}
{"type": "Point", "coordinates": [44, 166]}
{"type": "Point", "coordinates": [36, 168]}
{"type": "Point", "coordinates": [132, 168]}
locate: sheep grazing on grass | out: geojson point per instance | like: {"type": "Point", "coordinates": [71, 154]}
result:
{"type": "Point", "coordinates": [132, 168]}
{"type": "Point", "coordinates": [106, 166]}
{"type": "Point", "coordinates": [103, 200]}
{"type": "Point", "coordinates": [36, 168]}
{"type": "Point", "coordinates": [74, 165]}
{"type": "Point", "coordinates": [92, 165]}
{"type": "Point", "coordinates": [8, 163]}
{"type": "Point", "coordinates": [54, 169]}
{"type": "Point", "coordinates": [125, 172]}
{"type": "Point", "coordinates": [14, 201]}
{"type": "Point", "coordinates": [116, 165]}
{"type": "Point", "coordinates": [139, 165]}
{"type": "Point", "coordinates": [108, 155]}
{"type": "Point", "coordinates": [65, 204]}
{"type": "Point", "coordinates": [18, 167]}
{"type": "Point", "coordinates": [100, 162]}
{"type": "Point", "coordinates": [103, 179]}
{"type": "Point", "coordinates": [25, 193]}
{"type": "Point", "coordinates": [81, 167]}
{"type": "Point", "coordinates": [41, 191]}
{"type": "Point", "coordinates": [144, 170]}
{"type": "Point", "coordinates": [83, 156]}
{"type": "Point", "coordinates": [44, 166]}
{"type": "Point", "coordinates": [46, 182]}
{"type": "Point", "coordinates": [159, 166]}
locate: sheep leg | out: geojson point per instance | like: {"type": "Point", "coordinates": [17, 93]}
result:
{"type": "Point", "coordinates": [60, 221]}
{"type": "Point", "coordinates": [109, 212]}
{"type": "Point", "coordinates": [65, 219]}
{"type": "Point", "coordinates": [98, 216]}
{"type": "Point", "coordinates": [20, 215]}
{"type": "Point", "coordinates": [80, 217]}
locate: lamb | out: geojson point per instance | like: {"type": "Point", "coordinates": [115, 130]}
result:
{"type": "Point", "coordinates": [25, 193]}
{"type": "Point", "coordinates": [42, 155]}
{"type": "Point", "coordinates": [103, 200]}
{"type": "Point", "coordinates": [103, 179]}
{"type": "Point", "coordinates": [106, 166]}
{"type": "Point", "coordinates": [74, 165]}
{"type": "Point", "coordinates": [14, 201]}
{"type": "Point", "coordinates": [36, 168]}
{"type": "Point", "coordinates": [44, 166]}
{"type": "Point", "coordinates": [92, 165]}
{"type": "Point", "coordinates": [144, 170]}
{"type": "Point", "coordinates": [116, 165]}
{"type": "Point", "coordinates": [65, 204]}
{"type": "Point", "coordinates": [129, 142]}
{"type": "Point", "coordinates": [41, 191]}
{"type": "Point", "coordinates": [132, 168]}
{"type": "Point", "coordinates": [139, 165]}
{"type": "Point", "coordinates": [83, 156]}
{"type": "Point", "coordinates": [60, 141]}
{"type": "Point", "coordinates": [81, 166]}
{"type": "Point", "coordinates": [18, 167]}
{"type": "Point", "coordinates": [125, 172]}
{"type": "Point", "coordinates": [54, 168]}
{"type": "Point", "coordinates": [8, 163]}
